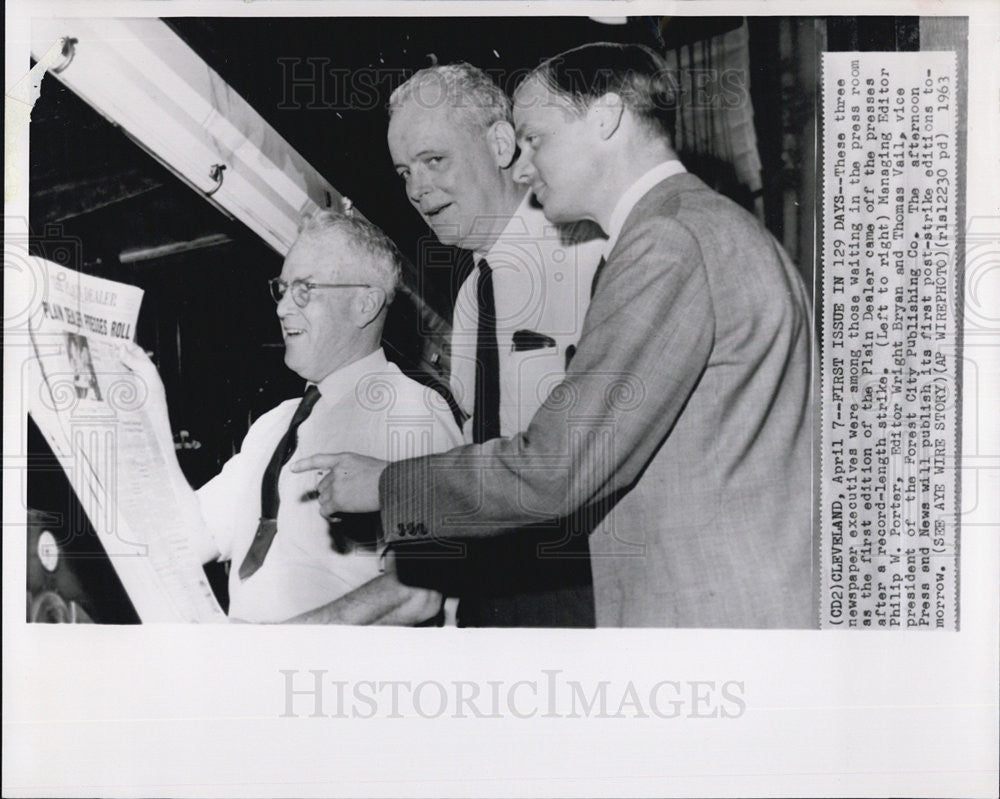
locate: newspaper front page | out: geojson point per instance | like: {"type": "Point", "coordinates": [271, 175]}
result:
{"type": "Point", "coordinates": [91, 410]}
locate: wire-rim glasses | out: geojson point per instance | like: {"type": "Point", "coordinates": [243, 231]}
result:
{"type": "Point", "coordinates": [302, 289]}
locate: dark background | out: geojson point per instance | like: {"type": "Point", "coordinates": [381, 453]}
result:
{"type": "Point", "coordinates": [207, 316]}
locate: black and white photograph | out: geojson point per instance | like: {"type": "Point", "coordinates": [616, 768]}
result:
{"type": "Point", "coordinates": [641, 357]}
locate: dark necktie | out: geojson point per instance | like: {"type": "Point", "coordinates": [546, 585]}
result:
{"type": "Point", "coordinates": [269, 499]}
{"type": "Point", "coordinates": [597, 274]}
{"type": "Point", "coordinates": [486, 409]}
{"type": "Point", "coordinates": [571, 349]}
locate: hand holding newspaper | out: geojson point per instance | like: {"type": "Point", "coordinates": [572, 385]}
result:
{"type": "Point", "coordinates": [101, 406]}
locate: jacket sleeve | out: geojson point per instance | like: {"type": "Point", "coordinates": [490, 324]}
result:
{"type": "Point", "coordinates": [646, 341]}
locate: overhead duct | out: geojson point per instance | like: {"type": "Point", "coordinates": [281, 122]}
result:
{"type": "Point", "coordinates": [141, 76]}
{"type": "Point", "coordinates": [144, 78]}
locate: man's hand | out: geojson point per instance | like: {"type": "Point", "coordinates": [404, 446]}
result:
{"type": "Point", "coordinates": [383, 600]}
{"type": "Point", "coordinates": [350, 485]}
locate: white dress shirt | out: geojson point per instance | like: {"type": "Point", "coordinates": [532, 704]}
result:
{"type": "Point", "coordinates": [369, 407]}
{"type": "Point", "coordinates": [540, 284]}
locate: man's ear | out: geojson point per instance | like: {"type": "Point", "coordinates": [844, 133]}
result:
{"type": "Point", "coordinates": [502, 143]}
{"type": "Point", "coordinates": [370, 305]}
{"type": "Point", "coordinates": [606, 114]}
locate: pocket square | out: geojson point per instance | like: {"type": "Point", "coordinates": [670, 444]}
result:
{"type": "Point", "coordinates": [530, 340]}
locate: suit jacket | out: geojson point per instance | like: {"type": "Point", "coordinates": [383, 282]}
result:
{"type": "Point", "coordinates": [681, 433]}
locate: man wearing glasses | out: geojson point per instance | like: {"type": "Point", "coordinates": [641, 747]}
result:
{"type": "Point", "coordinates": [332, 297]}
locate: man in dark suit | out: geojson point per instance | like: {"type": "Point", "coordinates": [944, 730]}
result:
{"type": "Point", "coordinates": [683, 422]}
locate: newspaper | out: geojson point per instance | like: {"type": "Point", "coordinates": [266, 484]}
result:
{"type": "Point", "coordinates": [91, 410]}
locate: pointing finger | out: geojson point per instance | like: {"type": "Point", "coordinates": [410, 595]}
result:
{"type": "Point", "coordinates": [323, 461]}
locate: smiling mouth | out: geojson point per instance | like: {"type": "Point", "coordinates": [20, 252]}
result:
{"type": "Point", "coordinates": [292, 332]}
{"type": "Point", "coordinates": [435, 211]}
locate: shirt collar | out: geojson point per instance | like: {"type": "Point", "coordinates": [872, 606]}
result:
{"type": "Point", "coordinates": [520, 226]}
{"type": "Point", "coordinates": [346, 378]}
{"type": "Point", "coordinates": [636, 192]}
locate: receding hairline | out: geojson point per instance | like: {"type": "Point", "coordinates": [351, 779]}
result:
{"type": "Point", "coordinates": [463, 119]}
{"type": "Point", "coordinates": [636, 73]}
{"type": "Point", "coordinates": [456, 83]}
{"type": "Point", "coordinates": [536, 77]}
{"type": "Point", "coordinates": [325, 233]}
{"type": "Point", "coordinates": [319, 241]}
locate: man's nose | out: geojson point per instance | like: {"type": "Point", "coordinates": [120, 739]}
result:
{"type": "Point", "coordinates": [419, 185]}
{"type": "Point", "coordinates": [523, 171]}
{"type": "Point", "coordinates": [285, 304]}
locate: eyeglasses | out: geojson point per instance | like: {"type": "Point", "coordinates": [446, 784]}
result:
{"type": "Point", "coordinates": [301, 289]}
